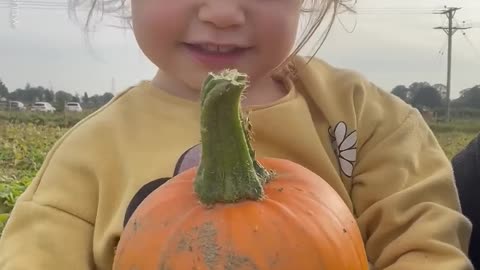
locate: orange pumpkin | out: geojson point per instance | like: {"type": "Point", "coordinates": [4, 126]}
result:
{"type": "Point", "coordinates": [237, 212]}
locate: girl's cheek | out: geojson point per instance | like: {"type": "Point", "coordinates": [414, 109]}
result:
{"type": "Point", "coordinates": [151, 11]}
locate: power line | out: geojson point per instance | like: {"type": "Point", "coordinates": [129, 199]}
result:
{"type": "Point", "coordinates": [394, 11]}
{"type": "Point", "coordinates": [441, 52]}
{"type": "Point", "coordinates": [31, 3]}
{"type": "Point", "coordinates": [469, 41]}
{"type": "Point", "coordinates": [32, 8]}
{"type": "Point", "coordinates": [35, 2]}
{"type": "Point", "coordinates": [18, 5]}
{"type": "Point", "coordinates": [366, 10]}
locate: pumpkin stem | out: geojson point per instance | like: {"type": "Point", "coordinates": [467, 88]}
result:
{"type": "Point", "coordinates": [228, 171]}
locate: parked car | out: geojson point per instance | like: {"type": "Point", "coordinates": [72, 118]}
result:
{"type": "Point", "coordinates": [73, 107]}
{"type": "Point", "coordinates": [43, 107]}
{"type": "Point", "coordinates": [16, 106]}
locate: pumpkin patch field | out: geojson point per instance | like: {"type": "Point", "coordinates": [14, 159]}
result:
{"type": "Point", "coordinates": [25, 143]}
{"type": "Point", "coordinates": [23, 147]}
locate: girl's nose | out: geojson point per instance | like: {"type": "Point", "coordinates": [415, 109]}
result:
{"type": "Point", "coordinates": [222, 13]}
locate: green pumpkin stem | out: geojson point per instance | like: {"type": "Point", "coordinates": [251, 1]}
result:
{"type": "Point", "coordinates": [228, 171]}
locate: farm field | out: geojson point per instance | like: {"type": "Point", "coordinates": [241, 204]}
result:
{"type": "Point", "coordinates": [25, 140]}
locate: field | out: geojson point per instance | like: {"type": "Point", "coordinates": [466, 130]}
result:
{"type": "Point", "coordinates": [25, 139]}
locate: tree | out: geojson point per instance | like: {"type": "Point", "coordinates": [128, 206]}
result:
{"type": "Point", "coordinates": [426, 95]}
{"type": "Point", "coordinates": [31, 94]}
{"type": "Point", "coordinates": [96, 101]}
{"type": "Point", "coordinates": [418, 85]}
{"type": "Point", "coordinates": [401, 91]}
{"type": "Point", "coordinates": [442, 89]}
{"type": "Point", "coordinates": [3, 90]}
{"type": "Point", "coordinates": [469, 97]}
{"type": "Point", "coordinates": [106, 97]}
{"type": "Point", "coordinates": [48, 94]}
{"type": "Point", "coordinates": [61, 97]}
{"type": "Point", "coordinates": [85, 98]}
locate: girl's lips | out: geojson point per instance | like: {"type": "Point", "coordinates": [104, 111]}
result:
{"type": "Point", "coordinates": [215, 60]}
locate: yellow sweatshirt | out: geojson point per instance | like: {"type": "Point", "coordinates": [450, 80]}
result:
{"type": "Point", "coordinates": [373, 149]}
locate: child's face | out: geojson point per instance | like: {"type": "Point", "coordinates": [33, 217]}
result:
{"type": "Point", "coordinates": [265, 30]}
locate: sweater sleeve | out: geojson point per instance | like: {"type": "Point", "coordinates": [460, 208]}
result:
{"type": "Point", "coordinates": [406, 201]}
{"type": "Point", "coordinates": [43, 237]}
{"type": "Point", "coordinates": [51, 225]}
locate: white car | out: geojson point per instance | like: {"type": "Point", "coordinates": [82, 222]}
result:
{"type": "Point", "coordinates": [43, 107]}
{"type": "Point", "coordinates": [73, 107]}
{"type": "Point", "coordinates": [16, 106]}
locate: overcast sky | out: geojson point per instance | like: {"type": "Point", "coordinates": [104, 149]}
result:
{"type": "Point", "coordinates": [392, 43]}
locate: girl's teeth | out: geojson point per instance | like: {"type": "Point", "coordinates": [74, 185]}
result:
{"type": "Point", "coordinates": [211, 48]}
{"type": "Point", "coordinates": [216, 48]}
{"type": "Point", "coordinates": [225, 49]}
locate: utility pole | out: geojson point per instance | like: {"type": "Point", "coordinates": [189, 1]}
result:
{"type": "Point", "coordinates": [450, 30]}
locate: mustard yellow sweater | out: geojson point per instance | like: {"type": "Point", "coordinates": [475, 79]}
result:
{"type": "Point", "coordinates": [373, 149]}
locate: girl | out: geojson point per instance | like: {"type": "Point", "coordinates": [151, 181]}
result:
{"type": "Point", "coordinates": [373, 149]}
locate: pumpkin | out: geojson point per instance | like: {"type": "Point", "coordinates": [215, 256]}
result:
{"type": "Point", "coordinates": [238, 212]}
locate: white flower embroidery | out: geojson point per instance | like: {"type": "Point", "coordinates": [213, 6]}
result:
{"type": "Point", "coordinates": [345, 147]}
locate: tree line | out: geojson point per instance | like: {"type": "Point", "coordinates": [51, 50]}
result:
{"type": "Point", "coordinates": [434, 97]}
{"type": "Point", "coordinates": [31, 94]}
{"type": "Point", "coordinates": [421, 95]}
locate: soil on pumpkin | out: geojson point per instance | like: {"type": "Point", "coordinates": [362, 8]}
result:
{"type": "Point", "coordinates": [203, 238]}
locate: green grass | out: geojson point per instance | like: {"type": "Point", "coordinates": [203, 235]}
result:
{"type": "Point", "coordinates": [453, 142]}
{"type": "Point", "coordinates": [455, 135]}
{"type": "Point", "coordinates": [26, 138]}
{"type": "Point", "coordinates": [23, 147]}
{"type": "Point", "coordinates": [63, 119]}
{"type": "Point", "coordinates": [461, 126]}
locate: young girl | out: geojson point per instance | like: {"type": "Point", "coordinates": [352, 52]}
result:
{"type": "Point", "coordinates": [373, 149]}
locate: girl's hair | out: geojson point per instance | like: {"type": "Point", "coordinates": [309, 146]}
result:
{"type": "Point", "coordinates": [318, 10]}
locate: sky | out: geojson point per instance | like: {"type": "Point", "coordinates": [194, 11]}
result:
{"type": "Point", "coordinates": [390, 42]}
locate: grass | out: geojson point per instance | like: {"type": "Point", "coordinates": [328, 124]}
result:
{"type": "Point", "coordinates": [454, 136]}
{"type": "Point", "coordinates": [26, 138]}
{"type": "Point", "coordinates": [454, 141]}
{"type": "Point", "coordinates": [64, 119]}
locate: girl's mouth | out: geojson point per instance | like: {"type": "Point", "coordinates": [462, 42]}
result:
{"type": "Point", "coordinates": [216, 56]}
{"type": "Point", "coordinates": [212, 48]}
